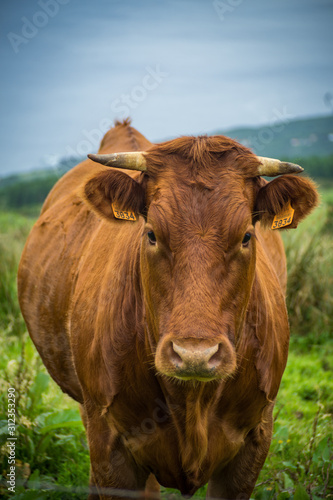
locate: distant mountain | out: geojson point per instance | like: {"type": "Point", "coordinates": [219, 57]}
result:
{"type": "Point", "coordinates": [289, 139]}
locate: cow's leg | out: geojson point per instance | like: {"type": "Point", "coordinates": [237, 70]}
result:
{"type": "Point", "coordinates": [111, 464]}
{"type": "Point", "coordinates": [83, 416]}
{"type": "Point", "coordinates": [92, 485]}
{"type": "Point", "coordinates": [237, 480]}
{"type": "Point", "coordinates": [152, 486]}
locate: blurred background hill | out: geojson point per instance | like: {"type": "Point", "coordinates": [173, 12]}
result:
{"type": "Point", "coordinates": [300, 138]}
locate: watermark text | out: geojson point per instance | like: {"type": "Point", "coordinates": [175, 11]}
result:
{"type": "Point", "coordinates": [11, 442]}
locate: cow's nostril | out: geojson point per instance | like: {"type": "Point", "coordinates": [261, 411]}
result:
{"type": "Point", "coordinates": [215, 360]}
{"type": "Point", "coordinates": [180, 351]}
{"type": "Point", "coordinates": [175, 357]}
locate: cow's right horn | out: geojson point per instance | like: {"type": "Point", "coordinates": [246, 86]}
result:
{"type": "Point", "coordinates": [131, 161]}
{"type": "Point", "coordinates": [272, 167]}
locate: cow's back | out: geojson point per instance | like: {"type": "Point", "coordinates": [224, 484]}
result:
{"type": "Point", "coordinates": [48, 271]}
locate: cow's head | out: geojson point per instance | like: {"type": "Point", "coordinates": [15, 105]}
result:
{"type": "Point", "coordinates": [201, 199]}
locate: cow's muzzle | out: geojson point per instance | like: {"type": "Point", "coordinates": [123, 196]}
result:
{"type": "Point", "coordinates": [195, 359]}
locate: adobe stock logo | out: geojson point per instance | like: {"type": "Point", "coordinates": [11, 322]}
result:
{"type": "Point", "coordinates": [222, 8]}
{"type": "Point", "coordinates": [31, 27]}
{"type": "Point", "coordinates": [126, 102]}
{"type": "Point", "coordinates": [121, 107]}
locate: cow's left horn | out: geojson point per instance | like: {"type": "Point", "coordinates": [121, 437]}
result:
{"type": "Point", "coordinates": [131, 161]}
{"type": "Point", "coordinates": [272, 167]}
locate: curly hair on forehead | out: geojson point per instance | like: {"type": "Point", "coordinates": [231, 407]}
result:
{"type": "Point", "coordinates": [204, 153]}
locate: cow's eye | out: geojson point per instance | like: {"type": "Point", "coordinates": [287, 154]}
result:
{"type": "Point", "coordinates": [151, 237]}
{"type": "Point", "coordinates": [246, 239]}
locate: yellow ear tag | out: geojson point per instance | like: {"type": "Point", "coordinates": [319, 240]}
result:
{"type": "Point", "coordinates": [284, 218]}
{"type": "Point", "coordinates": [123, 214]}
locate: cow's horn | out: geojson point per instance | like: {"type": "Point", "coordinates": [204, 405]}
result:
{"type": "Point", "coordinates": [131, 161]}
{"type": "Point", "coordinates": [272, 167]}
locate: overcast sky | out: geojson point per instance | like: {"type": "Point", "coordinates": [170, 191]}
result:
{"type": "Point", "coordinates": [70, 67]}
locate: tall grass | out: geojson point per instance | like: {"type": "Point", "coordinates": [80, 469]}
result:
{"type": "Point", "coordinates": [14, 230]}
{"type": "Point", "coordinates": [309, 252]}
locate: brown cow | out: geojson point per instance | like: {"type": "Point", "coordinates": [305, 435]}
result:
{"type": "Point", "coordinates": [171, 330]}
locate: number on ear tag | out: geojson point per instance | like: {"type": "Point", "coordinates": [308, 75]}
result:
{"type": "Point", "coordinates": [284, 218]}
{"type": "Point", "coordinates": [123, 214]}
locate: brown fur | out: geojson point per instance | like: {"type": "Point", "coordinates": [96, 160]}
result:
{"type": "Point", "coordinates": [104, 307]}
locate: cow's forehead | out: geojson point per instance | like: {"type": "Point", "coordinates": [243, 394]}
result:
{"type": "Point", "coordinates": [201, 159]}
{"type": "Point", "coordinates": [193, 169]}
{"type": "Point", "coordinates": [220, 190]}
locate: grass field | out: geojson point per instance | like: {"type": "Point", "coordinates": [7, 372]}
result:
{"type": "Point", "coordinates": [51, 450]}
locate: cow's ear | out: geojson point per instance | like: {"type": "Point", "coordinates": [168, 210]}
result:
{"type": "Point", "coordinates": [274, 198]}
{"type": "Point", "coordinates": [115, 188]}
